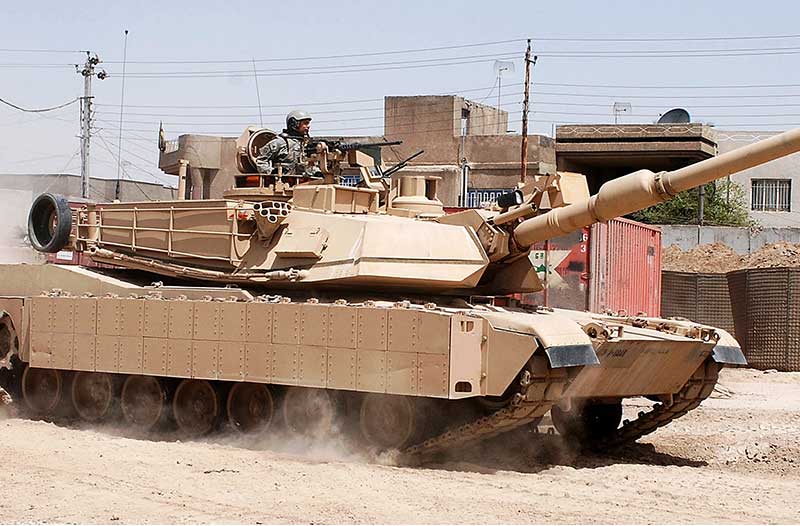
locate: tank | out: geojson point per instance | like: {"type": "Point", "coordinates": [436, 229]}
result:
{"type": "Point", "coordinates": [308, 304]}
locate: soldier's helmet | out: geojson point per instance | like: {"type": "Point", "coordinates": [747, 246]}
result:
{"type": "Point", "coordinates": [294, 118]}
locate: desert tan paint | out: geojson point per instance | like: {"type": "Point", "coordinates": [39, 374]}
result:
{"type": "Point", "coordinates": [366, 247]}
{"type": "Point", "coordinates": [398, 350]}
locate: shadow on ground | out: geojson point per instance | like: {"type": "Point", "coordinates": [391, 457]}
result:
{"type": "Point", "coordinates": [524, 451]}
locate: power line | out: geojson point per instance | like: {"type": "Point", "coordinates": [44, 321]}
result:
{"type": "Point", "coordinates": [326, 57]}
{"type": "Point", "coordinates": [330, 67]}
{"type": "Point", "coordinates": [661, 39]}
{"type": "Point", "coordinates": [380, 111]}
{"type": "Point", "coordinates": [662, 86]}
{"type": "Point", "coordinates": [34, 66]}
{"type": "Point", "coordinates": [39, 110]}
{"type": "Point", "coordinates": [465, 46]}
{"type": "Point", "coordinates": [124, 171]}
{"type": "Point", "coordinates": [443, 93]}
{"type": "Point", "coordinates": [662, 54]}
{"type": "Point", "coordinates": [680, 96]}
{"type": "Point", "coordinates": [365, 110]}
{"type": "Point", "coordinates": [309, 71]}
{"type": "Point", "coordinates": [8, 50]}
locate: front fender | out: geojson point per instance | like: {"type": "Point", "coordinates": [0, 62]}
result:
{"type": "Point", "coordinates": [727, 350]}
{"type": "Point", "coordinates": [563, 340]}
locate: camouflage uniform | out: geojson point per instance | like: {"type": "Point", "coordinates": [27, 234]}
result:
{"type": "Point", "coordinates": [288, 149]}
{"type": "Point", "coordinates": [284, 149]}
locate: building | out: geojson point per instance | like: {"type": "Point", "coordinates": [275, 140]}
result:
{"type": "Point", "coordinates": [465, 144]}
{"type": "Point", "coordinates": [606, 151]}
{"type": "Point", "coordinates": [772, 190]}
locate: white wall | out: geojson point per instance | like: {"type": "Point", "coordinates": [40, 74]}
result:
{"type": "Point", "coordinates": [785, 168]}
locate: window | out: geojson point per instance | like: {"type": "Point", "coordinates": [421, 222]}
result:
{"type": "Point", "coordinates": [770, 195]}
{"type": "Point", "coordinates": [477, 196]}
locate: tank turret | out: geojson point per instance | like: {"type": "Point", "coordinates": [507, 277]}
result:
{"type": "Point", "coordinates": [382, 236]}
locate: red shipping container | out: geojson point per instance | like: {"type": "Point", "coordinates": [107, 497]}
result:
{"type": "Point", "coordinates": [614, 266]}
{"type": "Point", "coordinates": [625, 267]}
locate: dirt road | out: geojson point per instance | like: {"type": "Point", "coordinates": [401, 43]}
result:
{"type": "Point", "coordinates": [733, 460]}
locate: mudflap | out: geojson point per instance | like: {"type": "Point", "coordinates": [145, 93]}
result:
{"type": "Point", "coordinates": [727, 350]}
{"type": "Point", "coordinates": [728, 354]}
{"type": "Point", "coordinates": [571, 355]}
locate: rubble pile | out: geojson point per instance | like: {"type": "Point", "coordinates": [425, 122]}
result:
{"type": "Point", "coordinates": [719, 258]}
{"type": "Point", "coordinates": [713, 258]}
{"type": "Point", "coordinates": [775, 255]}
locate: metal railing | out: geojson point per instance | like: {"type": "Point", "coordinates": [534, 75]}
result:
{"type": "Point", "coordinates": [233, 256]}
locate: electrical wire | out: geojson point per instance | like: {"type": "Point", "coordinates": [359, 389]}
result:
{"type": "Point", "coordinates": [325, 57]}
{"type": "Point", "coordinates": [310, 71]}
{"type": "Point", "coordinates": [250, 71]}
{"type": "Point", "coordinates": [465, 46]}
{"type": "Point", "coordinates": [39, 110]}
{"type": "Point", "coordinates": [9, 50]}
{"type": "Point", "coordinates": [124, 171]}
{"type": "Point", "coordinates": [306, 104]}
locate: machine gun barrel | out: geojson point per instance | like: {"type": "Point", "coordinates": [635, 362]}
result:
{"type": "Point", "coordinates": [346, 147]}
{"type": "Point", "coordinates": [402, 164]}
{"type": "Point", "coordinates": [311, 147]}
{"type": "Point", "coordinates": [641, 189]}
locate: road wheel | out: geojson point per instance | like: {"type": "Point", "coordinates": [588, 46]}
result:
{"type": "Point", "coordinates": [387, 421]}
{"type": "Point", "coordinates": [196, 407]}
{"type": "Point", "coordinates": [309, 411]}
{"type": "Point", "coordinates": [93, 395]}
{"type": "Point", "coordinates": [587, 423]}
{"type": "Point", "coordinates": [143, 401]}
{"type": "Point", "coordinates": [250, 407]}
{"type": "Point", "coordinates": [41, 390]}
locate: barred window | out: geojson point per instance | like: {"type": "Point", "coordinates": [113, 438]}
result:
{"type": "Point", "coordinates": [771, 195]}
{"type": "Point", "coordinates": [477, 196]}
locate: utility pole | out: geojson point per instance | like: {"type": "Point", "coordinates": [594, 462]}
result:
{"type": "Point", "coordinates": [524, 156]}
{"type": "Point", "coordinates": [88, 71]}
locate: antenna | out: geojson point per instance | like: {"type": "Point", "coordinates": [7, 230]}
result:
{"type": "Point", "coordinates": [258, 93]}
{"type": "Point", "coordinates": [121, 106]}
{"type": "Point", "coordinates": [620, 108]}
{"type": "Point", "coordinates": [675, 116]}
{"type": "Point", "coordinates": [500, 68]}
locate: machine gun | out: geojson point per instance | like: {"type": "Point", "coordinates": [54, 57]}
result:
{"type": "Point", "coordinates": [343, 147]}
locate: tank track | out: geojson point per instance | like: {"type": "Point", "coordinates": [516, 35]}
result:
{"type": "Point", "coordinates": [539, 388]}
{"type": "Point", "coordinates": [698, 388]}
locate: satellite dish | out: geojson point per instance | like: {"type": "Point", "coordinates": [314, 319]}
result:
{"type": "Point", "coordinates": [675, 116]}
{"type": "Point", "coordinates": [503, 66]}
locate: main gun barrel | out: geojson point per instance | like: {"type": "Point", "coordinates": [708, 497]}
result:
{"type": "Point", "coordinates": [643, 188]}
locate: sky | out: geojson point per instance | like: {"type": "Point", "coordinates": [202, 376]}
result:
{"type": "Point", "coordinates": [206, 67]}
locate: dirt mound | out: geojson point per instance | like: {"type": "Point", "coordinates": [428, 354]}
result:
{"type": "Point", "coordinates": [702, 258]}
{"type": "Point", "coordinates": [775, 255]}
{"type": "Point", "coordinates": [720, 258]}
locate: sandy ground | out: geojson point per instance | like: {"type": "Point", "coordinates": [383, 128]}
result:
{"type": "Point", "coordinates": [733, 460]}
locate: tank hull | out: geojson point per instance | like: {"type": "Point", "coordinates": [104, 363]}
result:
{"type": "Point", "coordinates": [483, 369]}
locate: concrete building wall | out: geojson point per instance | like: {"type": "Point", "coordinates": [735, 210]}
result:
{"type": "Point", "coordinates": [742, 240]}
{"type": "Point", "coordinates": [452, 129]}
{"type": "Point", "coordinates": [449, 128]}
{"type": "Point", "coordinates": [785, 168]}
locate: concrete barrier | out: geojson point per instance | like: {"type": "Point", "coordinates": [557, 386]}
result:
{"type": "Point", "coordinates": [742, 240]}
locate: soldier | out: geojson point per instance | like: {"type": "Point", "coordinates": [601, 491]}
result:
{"type": "Point", "coordinates": [288, 148]}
